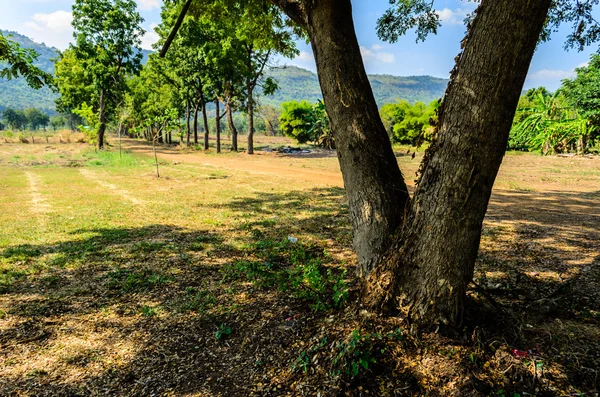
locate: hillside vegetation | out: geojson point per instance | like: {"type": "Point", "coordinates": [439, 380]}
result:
{"type": "Point", "coordinates": [294, 84]}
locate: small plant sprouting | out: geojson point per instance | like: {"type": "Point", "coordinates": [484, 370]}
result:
{"type": "Point", "coordinates": [223, 331]}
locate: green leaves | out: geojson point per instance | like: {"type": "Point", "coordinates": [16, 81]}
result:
{"type": "Point", "coordinates": [409, 124]}
{"type": "Point", "coordinates": [19, 62]}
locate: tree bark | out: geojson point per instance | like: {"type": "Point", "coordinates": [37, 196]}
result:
{"type": "Point", "coordinates": [432, 259]}
{"type": "Point", "coordinates": [187, 121]}
{"type": "Point", "coordinates": [375, 188]}
{"type": "Point", "coordinates": [102, 119]}
{"type": "Point", "coordinates": [196, 124]}
{"type": "Point", "coordinates": [250, 90]}
{"type": "Point", "coordinates": [205, 120]}
{"type": "Point", "coordinates": [232, 130]}
{"type": "Point", "coordinates": [218, 125]}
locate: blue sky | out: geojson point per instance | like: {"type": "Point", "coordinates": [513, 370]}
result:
{"type": "Point", "coordinates": [48, 21]}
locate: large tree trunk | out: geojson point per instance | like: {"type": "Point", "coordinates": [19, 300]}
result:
{"type": "Point", "coordinates": [432, 260]}
{"type": "Point", "coordinates": [218, 125]}
{"type": "Point", "coordinates": [102, 119]}
{"type": "Point", "coordinates": [375, 188]}
{"type": "Point", "coordinates": [232, 130]}
{"type": "Point", "coordinates": [205, 120]}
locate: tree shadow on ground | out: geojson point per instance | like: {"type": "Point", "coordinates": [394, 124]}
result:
{"type": "Point", "coordinates": [137, 311]}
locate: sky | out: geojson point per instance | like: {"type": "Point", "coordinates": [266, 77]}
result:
{"type": "Point", "coordinates": [49, 21]}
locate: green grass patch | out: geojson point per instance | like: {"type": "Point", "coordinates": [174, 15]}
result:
{"type": "Point", "coordinates": [295, 269]}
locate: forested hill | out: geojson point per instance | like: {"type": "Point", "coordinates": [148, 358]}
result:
{"type": "Point", "coordinates": [298, 84]}
{"type": "Point", "coordinates": [295, 84]}
{"type": "Point", "coordinates": [16, 93]}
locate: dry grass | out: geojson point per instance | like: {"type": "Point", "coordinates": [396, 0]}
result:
{"type": "Point", "coordinates": [113, 281]}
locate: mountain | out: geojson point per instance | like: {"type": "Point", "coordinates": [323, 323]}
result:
{"type": "Point", "coordinates": [17, 94]}
{"type": "Point", "coordinates": [294, 84]}
{"type": "Point", "coordinates": [298, 84]}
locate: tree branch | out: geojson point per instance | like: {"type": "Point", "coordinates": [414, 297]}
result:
{"type": "Point", "coordinates": [173, 33]}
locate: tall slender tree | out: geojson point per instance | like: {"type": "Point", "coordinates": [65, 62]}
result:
{"type": "Point", "coordinates": [108, 37]}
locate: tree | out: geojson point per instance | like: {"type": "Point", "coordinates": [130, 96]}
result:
{"type": "Point", "coordinates": [16, 119]}
{"type": "Point", "coordinates": [425, 268]}
{"type": "Point", "coordinates": [108, 35]}
{"type": "Point", "coordinates": [74, 85]}
{"type": "Point", "coordinates": [295, 120]}
{"type": "Point", "coordinates": [409, 124]}
{"type": "Point", "coordinates": [57, 122]}
{"type": "Point", "coordinates": [18, 62]}
{"type": "Point", "coordinates": [36, 119]}
{"type": "Point", "coordinates": [417, 254]}
{"type": "Point", "coordinates": [583, 91]}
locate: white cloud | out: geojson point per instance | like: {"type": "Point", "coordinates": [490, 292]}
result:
{"type": "Point", "coordinates": [150, 37]}
{"type": "Point", "coordinates": [148, 5]}
{"type": "Point", "coordinates": [58, 21]}
{"type": "Point", "coordinates": [377, 47]}
{"type": "Point", "coordinates": [553, 74]}
{"type": "Point", "coordinates": [305, 56]}
{"type": "Point", "coordinates": [54, 28]}
{"type": "Point", "coordinates": [453, 17]}
{"type": "Point", "coordinates": [375, 55]}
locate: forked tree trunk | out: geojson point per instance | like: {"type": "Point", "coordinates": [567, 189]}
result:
{"type": "Point", "coordinates": [375, 188]}
{"type": "Point", "coordinates": [431, 261]}
{"type": "Point", "coordinates": [433, 256]}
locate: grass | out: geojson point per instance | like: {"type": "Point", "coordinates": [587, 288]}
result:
{"type": "Point", "coordinates": [115, 281]}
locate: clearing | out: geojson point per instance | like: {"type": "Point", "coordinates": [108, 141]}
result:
{"type": "Point", "coordinates": [115, 282]}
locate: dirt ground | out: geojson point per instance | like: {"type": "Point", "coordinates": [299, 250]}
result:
{"type": "Point", "coordinates": [115, 282]}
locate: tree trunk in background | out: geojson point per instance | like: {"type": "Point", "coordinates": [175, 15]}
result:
{"type": "Point", "coordinates": [205, 120]}
{"type": "Point", "coordinates": [196, 124]}
{"type": "Point", "coordinates": [187, 121]}
{"type": "Point", "coordinates": [375, 188]}
{"type": "Point", "coordinates": [232, 130]}
{"type": "Point", "coordinates": [102, 119]}
{"type": "Point", "coordinates": [250, 90]}
{"type": "Point", "coordinates": [250, 120]}
{"type": "Point", "coordinates": [218, 125]}
{"type": "Point", "coordinates": [433, 256]}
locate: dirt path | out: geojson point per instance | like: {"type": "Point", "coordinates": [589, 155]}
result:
{"type": "Point", "coordinates": [39, 205]}
{"type": "Point", "coordinates": [113, 188]}
{"type": "Point", "coordinates": [261, 163]}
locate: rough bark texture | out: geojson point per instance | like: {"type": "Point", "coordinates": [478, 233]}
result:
{"type": "Point", "coordinates": [102, 126]}
{"type": "Point", "coordinates": [232, 130]}
{"type": "Point", "coordinates": [432, 259]}
{"type": "Point", "coordinates": [375, 188]}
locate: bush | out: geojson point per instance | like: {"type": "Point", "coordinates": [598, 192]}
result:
{"type": "Point", "coordinates": [296, 119]}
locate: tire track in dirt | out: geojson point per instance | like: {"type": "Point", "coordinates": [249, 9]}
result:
{"type": "Point", "coordinates": [113, 188]}
{"type": "Point", "coordinates": [39, 204]}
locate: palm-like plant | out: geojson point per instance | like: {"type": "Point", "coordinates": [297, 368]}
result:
{"type": "Point", "coordinates": [550, 126]}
